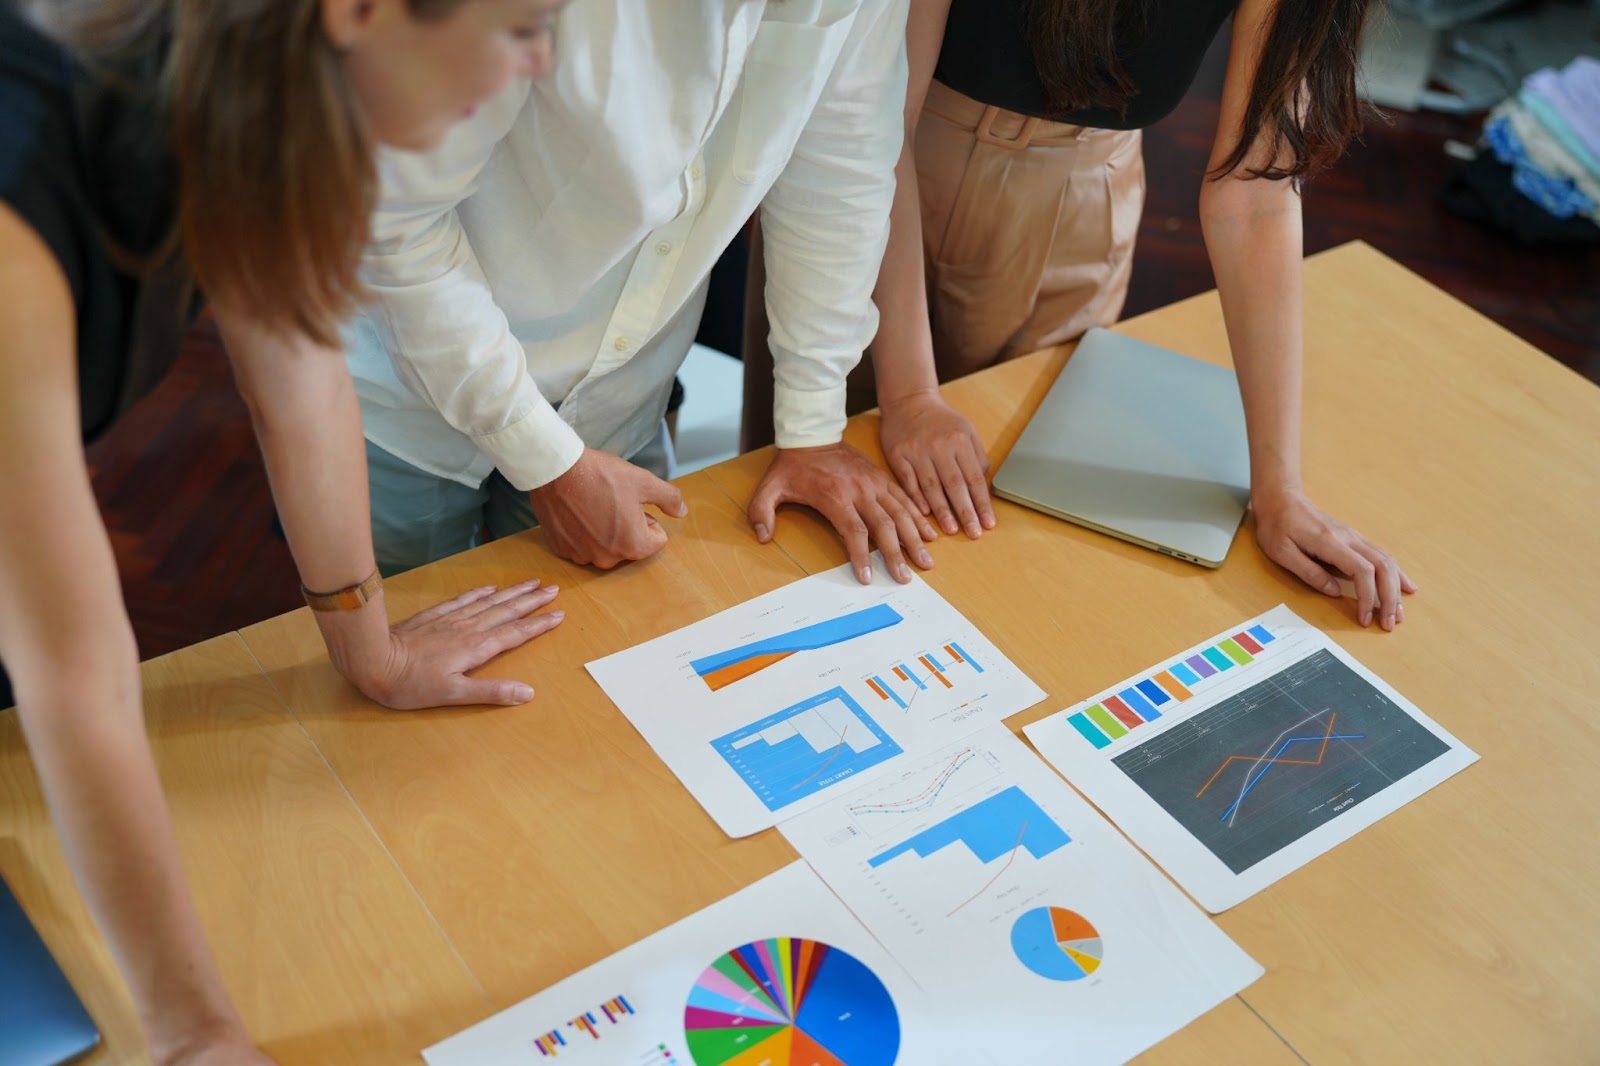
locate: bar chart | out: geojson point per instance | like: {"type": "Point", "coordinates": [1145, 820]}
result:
{"type": "Point", "coordinates": [991, 829]}
{"type": "Point", "coordinates": [805, 748]}
{"type": "Point", "coordinates": [725, 667]}
{"type": "Point", "coordinates": [1114, 717]}
{"type": "Point", "coordinates": [925, 671]}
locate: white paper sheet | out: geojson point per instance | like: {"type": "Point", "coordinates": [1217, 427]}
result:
{"type": "Point", "coordinates": [764, 709]}
{"type": "Point", "coordinates": [1271, 746]}
{"type": "Point", "coordinates": [1013, 902]}
{"type": "Point", "coordinates": [687, 996]}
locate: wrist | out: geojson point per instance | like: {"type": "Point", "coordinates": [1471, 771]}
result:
{"type": "Point", "coordinates": [358, 644]}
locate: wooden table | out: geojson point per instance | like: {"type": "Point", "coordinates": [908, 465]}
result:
{"type": "Point", "coordinates": [375, 881]}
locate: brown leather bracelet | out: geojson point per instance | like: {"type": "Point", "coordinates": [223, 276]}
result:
{"type": "Point", "coordinates": [346, 599]}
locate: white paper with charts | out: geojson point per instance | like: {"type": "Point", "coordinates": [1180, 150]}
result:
{"type": "Point", "coordinates": [1012, 902]}
{"type": "Point", "coordinates": [1245, 757]}
{"type": "Point", "coordinates": [764, 709]}
{"type": "Point", "coordinates": [779, 974]}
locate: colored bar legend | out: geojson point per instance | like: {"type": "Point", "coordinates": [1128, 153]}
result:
{"type": "Point", "coordinates": [1232, 650]}
{"type": "Point", "coordinates": [1108, 725]}
{"type": "Point", "coordinates": [1088, 730]}
{"type": "Point", "coordinates": [1135, 699]}
{"type": "Point", "coordinates": [1123, 712]}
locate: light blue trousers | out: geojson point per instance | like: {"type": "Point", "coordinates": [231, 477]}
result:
{"type": "Point", "coordinates": [418, 517]}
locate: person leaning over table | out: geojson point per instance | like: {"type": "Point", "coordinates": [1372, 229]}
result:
{"type": "Point", "coordinates": [233, 141]}
{"type": "Point", "coordinates": [1021, 183]}
{"type": "Point", "coordinates": [532, 308]}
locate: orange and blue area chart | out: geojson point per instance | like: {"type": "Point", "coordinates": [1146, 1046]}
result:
{"type": "Point", "coordinates": [787, 1001]}
{"type": "Point", "coordinates": [725, 667]}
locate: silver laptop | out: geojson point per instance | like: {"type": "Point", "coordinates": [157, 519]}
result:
{"type": "Point", "coordinates": [42, 1022]}
{"type": "Point", "coordinates": [1141, 443]}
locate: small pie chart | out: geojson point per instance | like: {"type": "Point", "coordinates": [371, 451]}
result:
{"type": "Point", "coordinates": [1058, 944]}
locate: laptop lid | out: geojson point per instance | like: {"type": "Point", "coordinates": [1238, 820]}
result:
{"type": "Point", "coordinates": [42, 1021]}
{"type": "Point", "coordinates": [1141, 443]}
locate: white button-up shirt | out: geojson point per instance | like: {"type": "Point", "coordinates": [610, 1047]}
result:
{"type": "Point", "coordinates": [539, 277]}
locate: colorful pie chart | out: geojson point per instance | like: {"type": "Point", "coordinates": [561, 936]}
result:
{"type": "Point", "coordinates": [1057, 943]}
{"type": "Point", "coordinates": [790, 1002]}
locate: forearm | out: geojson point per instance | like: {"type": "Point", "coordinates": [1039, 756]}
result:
{"type": "Point", "coordinates": [307, 421]}
{"type": "Point", "coordinates": [902, 352]}
{"type": "Point", "coordinates": [82, 720]}
{"type": "Point", "coordinates": [1253, 236]}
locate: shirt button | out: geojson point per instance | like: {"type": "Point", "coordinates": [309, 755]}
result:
{"type": "Point", "coordinates": [621, 344]}
{"type": "Point", "coordinates": [664, 248]}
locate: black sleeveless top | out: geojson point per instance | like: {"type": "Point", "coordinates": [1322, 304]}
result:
{"type": "Point", "coordinates": [986, 55]}
{"type": "Point", "coordinates": [83, 162]}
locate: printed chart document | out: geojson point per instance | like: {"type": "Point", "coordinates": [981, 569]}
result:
{"type": "Point", "coordinates": [1014, 904]}
{"type": "Point", "coordinates": [1247, 756]}
{"type": "Point", "coordinates": [779, 974]}
{"type": "Point", "coordinates": [766, 708]}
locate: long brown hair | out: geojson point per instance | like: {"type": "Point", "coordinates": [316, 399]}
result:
{"type": "Point", "coordinates": [1310, 43]}
{"type": "Point", "coordinates": [276, 182]}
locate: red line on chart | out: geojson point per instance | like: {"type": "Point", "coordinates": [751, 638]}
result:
{"type": "Point", "coordinates": [827, 764]}
{"type": "Point", "coordinates": [928, 793]}
{"type": "Point", "coordinates": [1003, 869]}
{"type": "Point", "coordinates": [1260, 760]}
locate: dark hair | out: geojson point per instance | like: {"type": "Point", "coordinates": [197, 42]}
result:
{"type": "Point", "coordinates": [1310, 43]}
{"type": "Point", "coordinates": [276, 181]}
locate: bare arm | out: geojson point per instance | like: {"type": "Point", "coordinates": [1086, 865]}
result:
{"type": "Point", "coordinates": [308, 422]}
{"type": "Point", "coordinates": [66, 641]}
{"type": "Point", "coordinates": [933, 450]}
{"type": "Point", "coordinates": [1253, 235]}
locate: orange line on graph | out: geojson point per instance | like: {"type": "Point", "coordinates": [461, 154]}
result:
{"type": "Point", "coordinates": [1003, 869]}
{"type": "Point", "coordinates": [827, 764]}
{"type": "Point", "coordinates": [943, 680]}
{"type": "Point", "coordinates": [1288, 762]}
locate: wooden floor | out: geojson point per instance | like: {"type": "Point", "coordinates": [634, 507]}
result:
{"type": "Point", "coordinates": [186, 501]}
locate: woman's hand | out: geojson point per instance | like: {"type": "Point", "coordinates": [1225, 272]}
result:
{"type": "Point", "coordinates": [427, 657]}
{"type": "Point", "coordinates": [1301, 538]}
{"type": "Point", "coordinates": [939, 460]}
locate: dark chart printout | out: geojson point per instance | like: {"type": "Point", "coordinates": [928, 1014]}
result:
{"type": "Point", "coordinates": [1270, 764]}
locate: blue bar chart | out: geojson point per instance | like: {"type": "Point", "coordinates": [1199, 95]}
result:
{"type": "Point", "coordinates": [804, 748]}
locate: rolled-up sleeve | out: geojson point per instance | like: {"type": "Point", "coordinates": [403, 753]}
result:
{"type": "Point", "coordinates": [825, 223]}
{"type": "Point", "coordinates": [435, 311]}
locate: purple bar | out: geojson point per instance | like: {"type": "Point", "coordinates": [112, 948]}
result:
{"type": "Point", "coordinates": [1201, 667]}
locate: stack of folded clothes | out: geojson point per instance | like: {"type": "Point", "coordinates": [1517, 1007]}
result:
{"type": "Point", "coordinates": [1538, 175]}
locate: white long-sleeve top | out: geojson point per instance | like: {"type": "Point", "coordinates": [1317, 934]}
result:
{"type": "Point", "coordinates": [553, 252]}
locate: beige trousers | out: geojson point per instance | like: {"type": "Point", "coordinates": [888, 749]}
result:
{"type": "Point", "coordinates": [1028, 229]}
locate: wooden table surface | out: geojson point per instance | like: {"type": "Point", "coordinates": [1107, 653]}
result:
{"type": "Point", "coordinates": [375, 881]}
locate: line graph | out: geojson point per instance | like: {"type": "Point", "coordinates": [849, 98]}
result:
{"type": "Point", "coordinates": [923, 800]}
{"type": "Point", "coordinates": [1339, 740]}
{"type": "Point", "coordinates": [1260, 764]}
{"type": "Point", "coordinates": [1016, 848]}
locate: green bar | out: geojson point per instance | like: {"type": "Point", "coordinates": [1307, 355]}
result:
{"type": "Point", "coordinates": [1102, 718]}
{"type": "Point", "coordinates": [1236, 653]}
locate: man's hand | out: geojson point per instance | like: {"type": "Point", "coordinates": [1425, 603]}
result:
{"type": "Point", "coordinates": [595, 514]}
{"type": "Point", "coordinates": [861, 500]}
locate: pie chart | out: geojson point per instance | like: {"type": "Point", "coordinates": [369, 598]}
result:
{"type": "Point", "coordinates": [1057, 943]}
{"type": "Point", "coordinates": [787, 1001]}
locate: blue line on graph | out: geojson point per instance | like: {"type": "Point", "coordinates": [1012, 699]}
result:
{"type": "Point", "coordinates": [833, 631]}
{"type": "Point", "coordinates": [893, 695]}
{"type": "Point", "coordinates": [1267, 764]}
